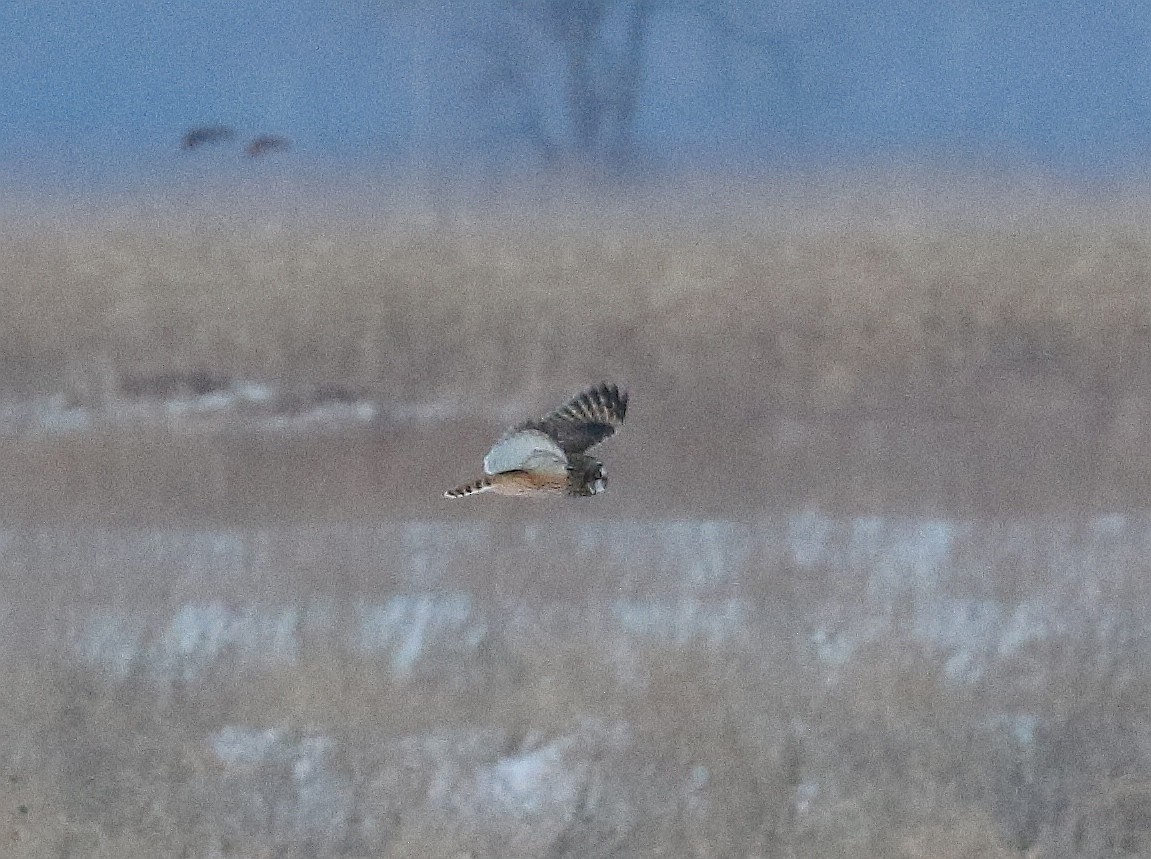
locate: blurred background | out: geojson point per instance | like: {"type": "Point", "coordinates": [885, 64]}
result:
{"type": "Point", "coordinates": [103, 93]}
{"type": "Point", "coordinates": [871, 576]}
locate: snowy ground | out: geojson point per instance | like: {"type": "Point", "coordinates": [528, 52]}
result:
{"type": "Point", "coordinates": [932, 579]}
{"type": "Point", "coordinates": [682, 587]}
{"type": "Point", "coordinates": [162, 614]}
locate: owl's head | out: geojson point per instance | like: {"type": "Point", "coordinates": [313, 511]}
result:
{"type": "Point", "coordinates": [587, 478]}
{"type": "Point", "coordinates": [599, 482]}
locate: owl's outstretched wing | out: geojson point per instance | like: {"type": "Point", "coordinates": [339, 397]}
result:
{"type": "Point", "coordinates": [525, 450]}
{"type": "Point", "coordinates": [584, 421]}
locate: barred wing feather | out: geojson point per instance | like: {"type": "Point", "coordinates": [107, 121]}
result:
{"type": "Point", "coordinates": [584, 421]}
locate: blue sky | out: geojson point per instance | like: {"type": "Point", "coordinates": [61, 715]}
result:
{"type": "Point", "coordinates": [105, 85]}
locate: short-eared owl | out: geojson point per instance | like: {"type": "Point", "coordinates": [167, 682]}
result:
{"type": "Point", "coordinates": [546, 456]}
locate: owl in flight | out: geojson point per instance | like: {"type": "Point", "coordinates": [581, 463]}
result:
{"type": "Point", "coordinates": [546, 456]}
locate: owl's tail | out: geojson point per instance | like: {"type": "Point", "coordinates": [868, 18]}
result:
{"type": "Point", "coordinates": [473, 488]}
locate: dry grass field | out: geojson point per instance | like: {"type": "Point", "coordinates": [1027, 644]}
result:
{"type": "Point", "coordinates": [984, 360]}
{"type": "Point", "coordinates": [871, 578]}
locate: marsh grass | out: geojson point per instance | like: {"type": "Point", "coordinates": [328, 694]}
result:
{"type": "Point", "coordinates": [878, 356]}
{"type": "Point", "coordinates": [808, 318]}
{"type": "Point", "coordinates": [987, 362]}
{"type": "Point", "coordinates": [729, 754]}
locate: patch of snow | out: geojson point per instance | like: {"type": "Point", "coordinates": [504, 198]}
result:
{"type": "Point", "coordinates": [683, 621]}
{"type": "Point", "coordinates": [405, 625]}
{"type": "Point", "coordinates": [805, 794]}
{"type": "Point", "coordinates": [254, 392]}
{"type": "Point", "coordinates": [809, 535]}
{"type": "Point", "coordinates": [245, 404]}
{"type": "Point", "coordinates": [108, 638]}
{"type": "Point", "coordinates": [243, 746]}
{"type": "Point", "coordinates": [202, 633]}
{"type": "Point", "coordinates": [898, 574]}
{"type": "Point", "coordinates": [531, 782]}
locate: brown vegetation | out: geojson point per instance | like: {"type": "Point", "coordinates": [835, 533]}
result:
{"type": "Point", "coordinates": [995, 363]}
{"type": "Point", "coordinates": [990, 367]}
